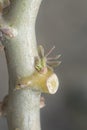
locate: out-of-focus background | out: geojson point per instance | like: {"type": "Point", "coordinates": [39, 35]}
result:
{"type": "Point", "coordinates": [62, 23]}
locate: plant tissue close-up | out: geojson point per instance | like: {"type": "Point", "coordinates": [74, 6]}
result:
{"type": "Point", "coordinates": [36, 91]}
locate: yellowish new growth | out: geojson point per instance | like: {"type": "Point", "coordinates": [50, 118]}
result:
{"type": "Point", "coordinates": [44, 82]}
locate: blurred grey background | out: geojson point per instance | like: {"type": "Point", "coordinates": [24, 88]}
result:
{"type": "Point", "coordinates": [62, 23]}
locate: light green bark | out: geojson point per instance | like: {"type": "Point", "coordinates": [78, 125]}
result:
{"type": "Point", "coordinates": [23, 106]}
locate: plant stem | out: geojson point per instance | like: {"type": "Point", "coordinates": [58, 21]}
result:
{"type": "Point", "coordinates": [23, 105]}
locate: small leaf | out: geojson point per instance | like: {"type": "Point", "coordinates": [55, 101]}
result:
{"type": "Point", "coordinates": [41, 51]}
{"type": "Point", "coordinates": [54, 58]}
{"type": "Point", "coordinates": [50, 51]}
{"type": "Point", "coordinates": [54, 63]}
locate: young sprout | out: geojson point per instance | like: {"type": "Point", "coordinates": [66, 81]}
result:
{"type": "Point", "coordinates": [43, 61]}
{"type": "Point", "coordinates": [52, 61]}
{"type": "Point", "coordinates": [43, 79]}
{"type": "Point", "coordinates": [44, 65]}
